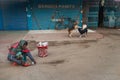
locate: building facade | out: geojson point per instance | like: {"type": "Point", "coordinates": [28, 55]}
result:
{"type": "Point", "coordinates": [101, 13]}
{"type": "Point", "coordinates": [56, 14]}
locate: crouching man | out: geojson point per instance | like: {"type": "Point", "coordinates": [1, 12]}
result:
{"type": "Point", "coordinates": [18, 53]}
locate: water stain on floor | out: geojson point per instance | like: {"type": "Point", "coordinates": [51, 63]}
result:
{"type": "Point", "coordinates": [55, 62]}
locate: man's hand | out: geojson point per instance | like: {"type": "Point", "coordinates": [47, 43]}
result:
{"type": "Point", "coordinates": [19, 55]}
{"type": "Point", "coordinates": [34, 62]}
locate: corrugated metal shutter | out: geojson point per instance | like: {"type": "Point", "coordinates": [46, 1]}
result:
{"type": "Point", "coordinates": [42, 17]}
{"type": "Point", "coordinates": [14, 15]}
{"type": "Point", "coordinates": [1, 22]}
{"type": "Point", "coordinates": [92, 14]}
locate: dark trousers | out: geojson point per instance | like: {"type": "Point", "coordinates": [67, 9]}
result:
{"type": "Point", "coordinates": [29, 55]}
{"type": "Point", "coordinates": [13, 58]}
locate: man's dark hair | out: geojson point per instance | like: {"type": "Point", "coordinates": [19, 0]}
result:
{"type": "Point", "coordinates": [26, 43]}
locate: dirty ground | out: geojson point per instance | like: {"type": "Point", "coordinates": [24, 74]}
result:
{"type": "Point", "coordinates": [98, 60]}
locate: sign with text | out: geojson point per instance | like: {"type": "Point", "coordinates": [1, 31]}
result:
{"type": "Point", "coordinates": [56, 6]}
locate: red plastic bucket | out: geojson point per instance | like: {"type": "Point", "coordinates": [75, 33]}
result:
{"type": "Point", "coordinates": [42, 49]}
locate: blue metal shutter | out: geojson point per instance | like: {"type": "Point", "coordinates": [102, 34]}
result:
{"type": "Point", "coordinates": [15, 16]}
{"type": "Point", "coordinates": [42, 17]}
{"type": "Point", "coordinates": [92, 14]}
{"type": "Point", "coordinates": [1, 22]}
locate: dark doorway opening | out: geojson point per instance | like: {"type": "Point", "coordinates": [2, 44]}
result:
{"type": "Point", "coordinates": [101, 13]}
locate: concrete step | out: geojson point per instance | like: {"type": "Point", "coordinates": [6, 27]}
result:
{"type": "Point", "coordinates": [60, 37]}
